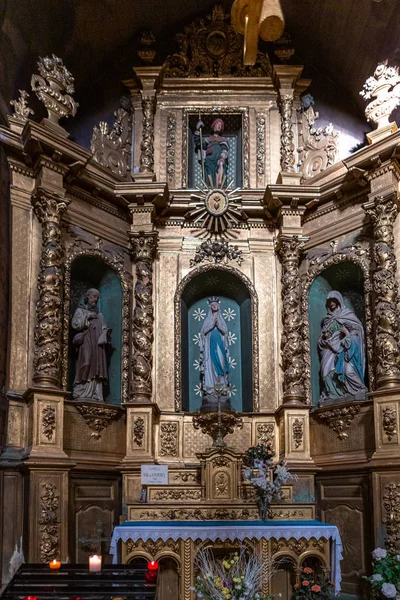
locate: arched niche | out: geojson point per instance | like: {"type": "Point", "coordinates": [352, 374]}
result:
{"type": "Point", "coordinates": [238, 305]}
{"type": "Point", "coordinates": [347, 278]}
{"type": "Point", "coordinates": [168, 579]}
{"type": "Point", "coordinates": [92, 272]}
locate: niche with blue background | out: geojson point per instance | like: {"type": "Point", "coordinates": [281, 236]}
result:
{"type": "Point", "coordinates": [90, 272]}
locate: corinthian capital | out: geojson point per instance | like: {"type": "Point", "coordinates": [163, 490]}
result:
{"type": "Point", "coordinates": [49, 206]}
{"type": "Point", "coordinates": [382, 211]}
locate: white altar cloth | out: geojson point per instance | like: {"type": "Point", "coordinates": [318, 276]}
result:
{"type": "Point", "coordinates": [231, 530]}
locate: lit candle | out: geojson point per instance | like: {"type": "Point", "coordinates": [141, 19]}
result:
{"type": "Point", "coordinates": [94, 564]}
{"type": "Point", "coordinates": [152, 566]}
{"type": "Point", "coordinates": [55, 564]}
{"type": "Point", "coordinates": [30, 598]}
{"type": "Point", "coordinates": [151, 576]}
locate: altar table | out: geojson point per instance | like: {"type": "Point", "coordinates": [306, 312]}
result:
{"type": "Point", "coordinates": [231, 530]}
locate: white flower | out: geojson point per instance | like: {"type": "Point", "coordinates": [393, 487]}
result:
{"type": "Point", "coordinates": [198, 390]}
{"type": "Point", "coordinates": [232, 391]}
{"type": "Point", "coordinates": [231, 338]}
{"type": "Point", "coordinates": [229, 314]}
{"type": "Point", "coordinates": [196, 338]}
{"type": "Point", "coordinates": [199, 314]}
{"type": "Point", "coordinates": [379, 553]}
{"type": "Point", "coordinates": [377, 577]}
{"type": "Point", "coordinates": [196, 365]}
{"type": "Point", "coordinates": [397, 557]}
{"type": "Point", "coordinates": [389, 590]}
{"type": "Point", "coordinates": [232, 362]}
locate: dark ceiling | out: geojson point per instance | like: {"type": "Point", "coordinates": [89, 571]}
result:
{"type": "Point", "coordinates": [340, 43]}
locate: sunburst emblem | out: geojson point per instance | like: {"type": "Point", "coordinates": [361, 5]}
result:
{"type": "Point", "coordinates": [216, 209]}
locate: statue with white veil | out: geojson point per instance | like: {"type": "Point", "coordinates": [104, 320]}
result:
{"type": "Point", "coordinates": [341, 347]}
{"type": "Point", "coordinates": [214, 360]}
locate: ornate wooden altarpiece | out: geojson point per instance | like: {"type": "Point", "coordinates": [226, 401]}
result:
{"type": "Point", "coordinates": [70, 471]}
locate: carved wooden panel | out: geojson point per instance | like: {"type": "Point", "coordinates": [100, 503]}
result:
{"type": "Point", "coordinates": [95, 509]}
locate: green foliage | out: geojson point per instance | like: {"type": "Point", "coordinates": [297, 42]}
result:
{"type": "Point", "coordinates": [314, 586]}
{"type": "Point", "coordinates": [385, 580]}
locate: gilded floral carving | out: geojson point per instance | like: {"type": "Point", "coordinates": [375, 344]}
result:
{"type": "Point", "coordinates": [49, 520]}
{"type": "Point", "coordinates": [339, 419]}
{"type": "Point", "coordinates": [152, 547]}
{"type": "Point", "coordinates": [112, 147]}
{"type": "Point", "coordinates": [216, 251]}
{"type": "Point", "coordinates": [143, 251]}
{"type": "Point", "coordinates": [265, 433]}
{"type": "Point", "coordinates": [297, 432]}
{"type": "Point", "coordinates": [48, 421]}
{"type": "Point", "coordinates": [391, 505]}
{"type": "Point", "coordinates": [382, 212]}
{"type": "Point", "coordinates": [287, 145]}
{"type": "Point", "coordinates": [21, 108]}
{"type": "Point", "coordinates": [219, 514]}
{"type": "Point", "coordinates": [389, 421]}
{"type": "Point", "coordinates": [147, 145]}
{"type": "Point", "coordinates": [182, 495]}
{"type": "Point", "coordinates": [171, 143]}
{"type": "Point", "coordinates": [98, 417]}
{"type": "Point", "coordinates": [138, 431]}
{"type": "Point", "coordinates": [221, 484]}
{"type": "Point", "coordinates": [261, 143]}
{"type": "Point", "coordinates": [169, 439]}
{"type": "Point", "coordinates": [49, 208]}
{"type": "Point", "coordinates": [289, 250]}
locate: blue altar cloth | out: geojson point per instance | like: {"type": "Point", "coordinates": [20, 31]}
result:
{"type": "Point", "coordinates": [231, 530]}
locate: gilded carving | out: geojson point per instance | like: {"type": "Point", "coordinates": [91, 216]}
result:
{"type": "Point", "coordinates": [217, 425]}
{"type": "Point", "coordinates": [181, 495]}
{"type": "Point", "coordinates": [98, 417]}
{"type": "Point", "coordinates": [147, 145]}
{"type": "Point", "coordinates": [21, 108]}
{"type": "Point", "coordinates": [318, 147]}
{"type": "Point", "coordinates": [265, 433]}
{"type": "Point", "coordinates": [287, 145]}
{"type": "Point", "coordinates": [389, 421]}
{"type": "Point", "coordinates": [382, 212]}
{"type": "Point", "coordinates": [297, 432]}
{"type": "Point", "coordinates": [178, 326]}
{"type": "Point", "coordinates": [339, 419]}
{"type": "Point", "coordinates": [260, 142]}
{"type": "Point", "coordinates": [138, 431]}
{"type": "Point", "coordinates": [49, 519]}
{"type": "Point", "coordinates": [54, 87]}
{"type": "Point", "coordinates": [171, 143]}
{"type": "Point", "coordinates": [216, 251]}
{"type": "Point", "coordinates": [48, 421]}
{"type": "Point", "coordinates": [391, 504]}
{"type": "Point", "coordinates": [289, 250]}
{"type": "Point", "coordinates": [221, 461]}
{"type": "Point", "coordinates": [319, 260]}
{"type": "Point", "coordinates": [187, 477]}
{"type": "Point", "coordinates": [218, 111]}
{"type": "Point", "coordinates": [152, 547]}
{"type": "Point", "coordinates": [169, 439]}
{"type": "Point", "coordinates": [112, 256]}
{"type": "Point", "coordinates": [219, 514]}
{"type": "Point", "coordinates": [112, 147]}
{"type": "Point", "coordinates": [384, 88]}
{"type": "Point", "coordinates": [211, 47]}
{"type": "Point", "coordinates": [143, 251]}
{"type": "Point", "coordinates": [221, 484]}
{"type": "Point", "coordinates": [299, 546]}
{"type": "Point", "coordinates": [49, 208]}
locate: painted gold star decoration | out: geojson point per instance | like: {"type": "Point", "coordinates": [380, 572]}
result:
{"type": "Point", "coordinates": [216, 209]}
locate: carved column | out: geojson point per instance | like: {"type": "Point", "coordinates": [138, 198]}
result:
{"type": "Point", "coordinates": [143, 246]}
{"type": "Point", "coordinates": [49, 208]}
{"type": "Point", "coordinates": [382, 211]}
{"type": "Point", "coordinates": [287, 145]}
{"type": "Point", "coordinates": [147, 145]}
{"type": "Point", "coordinates": [289, 249]}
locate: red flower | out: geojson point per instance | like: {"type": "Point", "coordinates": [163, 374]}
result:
{"type": "Point", "coordinates": [296, 586]}
{"type": "Point", "coordinates": [307, 570]}
{"type": "Point", "coordinates": [315, 588]}
{"type": "Point", "coordinates": [305, 583]}
{"type": "Point", "coordinates": [331, 583]}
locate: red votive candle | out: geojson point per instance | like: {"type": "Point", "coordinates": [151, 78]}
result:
{"type": "Point", "coordinates": [152, 566]}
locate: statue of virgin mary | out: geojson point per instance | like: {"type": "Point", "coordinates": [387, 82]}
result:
{"type": "Point", "coordinates": [214, 363]}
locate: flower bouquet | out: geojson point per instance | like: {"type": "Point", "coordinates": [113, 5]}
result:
{"type": "Point", "coordinates": [385, 580]}
{"type": "Point", "coordinates": [313, 586]}
{"type": "Point", "coordinates": [265, 475]}
{"type": "Point", "coordinates": [236, 577]}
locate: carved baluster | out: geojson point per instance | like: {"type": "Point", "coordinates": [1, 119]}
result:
{"type": "Point", "coordinates": [287, 145]}
{"type": "Point", "coordinates": [47, 358]}
{"type": "Point", "coordinates": [383, 211]}
{"type": "Point", "coordinates": [292, 351]}
{"type": "Point", "coordinates": [147, 145]}
{"type": "Point", "coordinates": [144, 246]}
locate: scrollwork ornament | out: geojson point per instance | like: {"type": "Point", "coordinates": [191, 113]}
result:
{"type": "Point", "coordinates": [21, 108]}
{"type": "Point", "coordinates": [260, 137]}
{"type": "Point", "coordinates": [54, 87]}
{"type": "Point", "coordinates": [143, 246]}
{"type": "Point", "coordinates": [340, 419]}
{"type": "Point", "coordinates": [147, 145]}
{"type": "Point", "coordinates": [389, 421]}
{"type": "Point", "coordinates": [48, 421]}
{"type": "Point", "coordinates": [97, 417]}
{"type": "Point", "coordinates": [216, 251]}
{"type": "Point", "coordinates": [171, 145]}
{"type": "Point", "coordinates": [297, 432]}
{"type": "Point", "coordinates": [289, 250]}
{"type": "Point", "coordinates": [48, 330]}
{"type": "Point", "coordinates": [112, 147]}
{"type": "Point", "coordinates": [138, 431]}
{"type": "Point", "coordinates": [265, 433]}
{"type": "Point", "coordinates": [287, 145]}
{"type": "Point", "coordinates": [169, 439]}
{"type": "Point", "coordinates": [49, 520]}
{"type": "Point", "coordinates": [391, 504]}
{"type": "Point", "coordinates": [382, 212]}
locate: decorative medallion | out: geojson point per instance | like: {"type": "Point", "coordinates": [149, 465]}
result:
{"type": "Point", "coordinates": [216, 209]}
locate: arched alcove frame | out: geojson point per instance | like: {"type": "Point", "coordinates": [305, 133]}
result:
{"type": "Point", "coordinates": [118, 267]}
{"type": "Point", "coordinates": [178, 328]}
{"type": "Point", "coordinates": [307, 281]}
